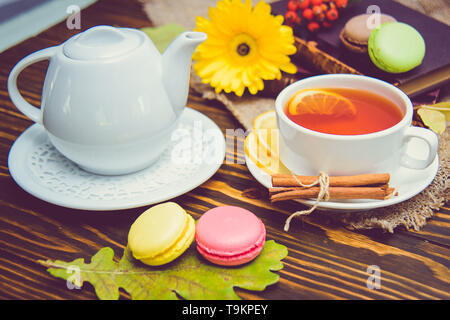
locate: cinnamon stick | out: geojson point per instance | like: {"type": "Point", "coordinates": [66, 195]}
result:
{"type": "Point", "coordinates": [276, 190]}
{"type": "Point", "coordinates": [286, 180]}
{"type": "Point", "coordinates": [377, 193]}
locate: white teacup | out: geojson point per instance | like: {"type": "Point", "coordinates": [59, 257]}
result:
{"type": "Point", "coordinates": [307, 152]}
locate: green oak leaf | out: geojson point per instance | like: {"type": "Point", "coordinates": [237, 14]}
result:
{"type": "Point", "coordinates": [188, 277]}
{"type": "Point", "coordinates": [163, 35]}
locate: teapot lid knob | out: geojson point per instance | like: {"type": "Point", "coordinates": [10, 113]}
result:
{"type": "Point", "coordinates": [102, 42]}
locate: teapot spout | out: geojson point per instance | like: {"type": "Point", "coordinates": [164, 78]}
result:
{"type": "Point", "coordinates": [176, 66]}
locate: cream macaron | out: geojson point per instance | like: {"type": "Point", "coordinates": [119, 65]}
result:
{"type": "Point", "coordinates": [161, 234]}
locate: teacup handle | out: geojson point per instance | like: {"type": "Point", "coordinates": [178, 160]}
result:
{"type": "Point", "coordinates": [432, 141]}
{"type": "Point", "coordinates": [27, 109]}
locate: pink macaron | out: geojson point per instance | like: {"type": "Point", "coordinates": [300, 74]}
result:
{"type": "Point", "coordinates": [229, 235]}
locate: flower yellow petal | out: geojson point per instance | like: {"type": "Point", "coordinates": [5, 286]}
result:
{"type": "Point", "coordinates": [208, 68]}
{"type": "Point", "coordinates": [276, 57]}
{"type": "Point", "coordinates": [218, 77]}
{"type": "Point", "coordinates": [227, 77]}
{"type": "Point", "coordinates": [212, 52]}
{"type": "Point", "coordinates": [259, 84]}
{"type": "Point", "coordinates": [270, 67]}
{"type": "Point", "coordinates": [280, 19]}
{"type": "Point", "coordinates": [289, 68]}
{"type": "Point", "coordinates": [252, 88]}
{"type": "Point", "coordinates": [201, 23]}
{"type": "Point", "coordinates": [262, 9]}
{"type": "Point", "coordinates": [196, 56]}
{"type": "Point", "coordinates": [290, 50]}
{"type": "Point", "coordinates": [235, 83]}
{"type": "Point", "coordinates": [240, 91]}
{"type": "Point", "coordinates": [245, 78]}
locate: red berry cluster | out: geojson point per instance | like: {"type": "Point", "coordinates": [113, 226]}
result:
{"type": "Point", "coordinates": [313, 13]}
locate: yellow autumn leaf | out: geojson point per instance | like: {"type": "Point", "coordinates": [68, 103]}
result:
{"type": "Point", "coordinates": [434, 119]}
{"type": "Point", "coordinates": [443, 107]}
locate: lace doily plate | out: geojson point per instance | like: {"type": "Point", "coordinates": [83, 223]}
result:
{"type": "Point", "coordinates": [407, 182]}
{"type": "Point", "coordinates": [195, 153]}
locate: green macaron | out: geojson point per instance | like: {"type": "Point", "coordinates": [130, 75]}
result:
{"type": "Point", "coordinates": [396, 47]}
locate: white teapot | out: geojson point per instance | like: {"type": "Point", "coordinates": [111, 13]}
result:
{"type": "Point", "coordinates": [110, 100]}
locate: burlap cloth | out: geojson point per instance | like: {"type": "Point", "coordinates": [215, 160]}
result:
{"type": "Point", "coordinates": [412, 213]}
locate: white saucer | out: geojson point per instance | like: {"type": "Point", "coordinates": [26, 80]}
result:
{"type": "Point", "coordinates": [407, 182]}
{"type": "Point", "coordinates": [195, 153]}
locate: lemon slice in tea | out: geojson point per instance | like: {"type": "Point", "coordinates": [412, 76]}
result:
{"type": "Point", "coordinates": [320, 102]}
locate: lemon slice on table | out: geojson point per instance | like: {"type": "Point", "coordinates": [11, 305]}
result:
{"type": "Point", "coordinates": [320, 102]}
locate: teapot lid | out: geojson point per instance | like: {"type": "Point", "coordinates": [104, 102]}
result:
{"type": "Point", "coordinates": [102, 42]}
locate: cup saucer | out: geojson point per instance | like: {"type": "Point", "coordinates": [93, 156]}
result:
{"type": "Point", "coordinates": [407, 182]}
{"type": "Point", "coordinates": [194, 154]}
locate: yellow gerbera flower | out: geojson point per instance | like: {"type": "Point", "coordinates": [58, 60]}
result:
{"type": "Point", "coordinates": [244, 47]}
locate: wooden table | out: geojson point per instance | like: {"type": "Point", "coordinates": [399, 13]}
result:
{"type": "Point", "coordinates": [325, 261]}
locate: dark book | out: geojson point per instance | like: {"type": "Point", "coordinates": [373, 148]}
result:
{"type": "Point", "coordinates": [432, 73]}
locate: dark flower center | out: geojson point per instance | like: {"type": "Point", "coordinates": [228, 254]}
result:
{"type": "Point", "coordinates": [243, 49]}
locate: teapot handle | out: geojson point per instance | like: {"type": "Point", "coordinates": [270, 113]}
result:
{"type": "Point", "coordinates": [27, 109]}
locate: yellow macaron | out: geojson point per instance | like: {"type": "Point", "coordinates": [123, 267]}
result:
{"type": "Point", "coordinates": [161, 234]}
